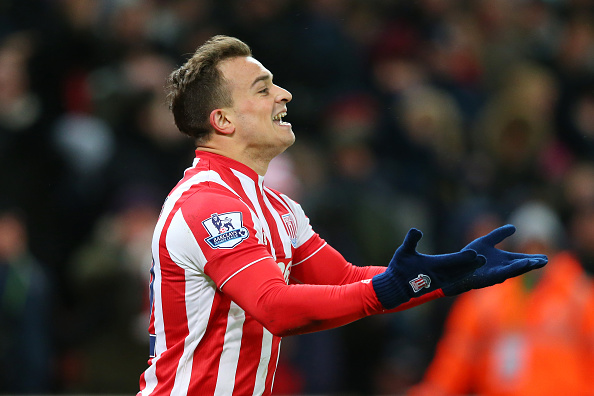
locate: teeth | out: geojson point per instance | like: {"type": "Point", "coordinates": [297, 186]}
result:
{"type": "Point", "coordinates": [279, 117]}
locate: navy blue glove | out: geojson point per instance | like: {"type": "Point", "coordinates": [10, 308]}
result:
{"type": "Point", "coordinates": [500, 265]}
{"type": "Point", "coordinates": [411, 274]}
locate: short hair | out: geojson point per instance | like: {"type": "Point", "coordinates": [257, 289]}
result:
{"type": "Point", "coordinates": [198, 87]}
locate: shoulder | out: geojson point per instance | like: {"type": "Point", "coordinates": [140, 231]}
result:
{"type": "Point", "coordinates": [212, 199]}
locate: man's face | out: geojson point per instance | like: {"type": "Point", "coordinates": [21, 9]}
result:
{"type": "Point", "coordinates": [258, 106]}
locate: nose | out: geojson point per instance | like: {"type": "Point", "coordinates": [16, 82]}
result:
{"type": "Point", "coordinates": [283, 95]}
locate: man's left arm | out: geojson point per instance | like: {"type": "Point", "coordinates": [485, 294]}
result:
{"type": "Point", "coordinates": [318, 263]}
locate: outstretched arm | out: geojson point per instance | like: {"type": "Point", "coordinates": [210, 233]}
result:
{"type": "Point", "coordinates": [295, 309]}
{"type": "Point", "coordinates": [410, 278]}
{"type": "Point", "coordinates": [318, 263]}
{"type": "Point", "coordinates": [326, 266]}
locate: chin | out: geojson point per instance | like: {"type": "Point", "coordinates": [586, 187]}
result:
{"type": "Point", "coordinates": [286, 144]}
{"type": "Point", "coordinates": [291, 140]}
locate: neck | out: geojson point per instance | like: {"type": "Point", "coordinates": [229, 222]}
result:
{"type": "Point", "coordinates": [258, 163]}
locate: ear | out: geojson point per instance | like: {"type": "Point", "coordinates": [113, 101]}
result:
{"type": "Point", "coordinates": [220, 122]}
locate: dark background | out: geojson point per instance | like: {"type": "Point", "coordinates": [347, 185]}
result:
{"type": "Point", "coordinates": [443, 115]}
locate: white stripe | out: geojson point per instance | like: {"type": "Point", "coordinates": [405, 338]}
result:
{"type": "Point", "coordinates": [160, 344]}
{"type": "Point", "coordinates": [150, 378]}
{"type": "Point", "coordinates": [249, 188]}
{"type": "Point", "coordinates": [257, 223]}
{"type": "Point", "coordinates": [276, 365]}
{"type": "Point", "coordinates": [241, 269]}
{"type": "Point", "coordinates": [231, 349]}
{"type": "Point", "coordinates": [272, 194]}
{"type": "Point", "coordinates": [199, 294]}
{"type": "Point", "coordinates": [308, 257]}
{"type": "Point", "coordinates": [182, 246]}
{"type": "Point", "coordinates": [262, 371]}
{"type": "Point", "coordinates": [255, 218]}
{"type": "Point", "coordinates": [280, 226]}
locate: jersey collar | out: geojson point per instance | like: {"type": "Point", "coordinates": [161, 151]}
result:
{"type": "Point", "coordinates": [231, 163]}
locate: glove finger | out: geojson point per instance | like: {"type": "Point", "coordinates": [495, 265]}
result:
{"type": "Point", "coordinates": [466, 260]}
{"type": "Point", "coordinates": [463, 266]}
{"type": "Point", "coordinates": [499, 234]}
{"type": "Point", "coordinates": [411, 240]}
{"type": "Point", "coordinates": [538, 262]}
{"type": "Point", "coordinates": [540, 257]}
{"type": "Point", "coordinates": [521, 266]}
{"type": "Point", "coordinates": [517, 256]}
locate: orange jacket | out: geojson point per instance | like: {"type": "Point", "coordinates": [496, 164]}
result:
{"type": "Point", "coordinates": [504, 340]}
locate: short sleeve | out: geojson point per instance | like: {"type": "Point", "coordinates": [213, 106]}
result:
{"type": "Point", "coordinates": [216, 233]}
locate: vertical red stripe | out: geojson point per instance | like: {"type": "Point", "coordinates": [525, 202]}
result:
{"type": "Point", "coordinates": [236, 185]}
{"type": "Point", "coordinates": [173, 299]}
{"type": "Point", "coordinates": [250, 354]}
{"type": "Point", "coordinates": [142, 383]}
{"type": "Point", "coordinates": [249, 357]}
{"type": "Point", "coordinates": [282, 208]}
{"type": "Point", "coordinates": [176, 330]}
{"type": "Point", "coordinates": [280, 254]}
{"type": "Point", "coordinates": [238, 188]}
{"type": "Point", "coordinates": [272, 365]}
{"type": "Point", "coordinates": [207, 356]}
{"type": "Point", "coordinates": [279, 249]}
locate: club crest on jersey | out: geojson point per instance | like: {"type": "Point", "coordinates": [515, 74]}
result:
{"type": "Point", "coordinates": [420, 282]}
{"type": "Point", "coordinates": [291, 227]}
{"type": "Point", "coordinates": [226, 230]}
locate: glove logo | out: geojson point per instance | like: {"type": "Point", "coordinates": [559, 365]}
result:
{"type": "Point", "coordinates": [420, 282]}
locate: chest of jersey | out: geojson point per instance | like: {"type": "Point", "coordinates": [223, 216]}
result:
{"type": "Point", "coordinates": [279, 234]}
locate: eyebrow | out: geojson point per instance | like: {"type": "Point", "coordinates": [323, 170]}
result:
{"type": "Point", "coordinates": [263, 77]}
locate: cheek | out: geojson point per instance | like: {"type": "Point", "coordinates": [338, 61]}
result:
{"type": "Point", "coordinates": [248, 104]}
{"type": "Point", "coordinates": [254, 111]}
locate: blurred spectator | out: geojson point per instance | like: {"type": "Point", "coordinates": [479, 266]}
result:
{"type": "Point", "coordinates": [577, 120]}
{"type": "Point", "coordinates": [574, 54]}
{"type": "Point", "coordinates": [515, 130]}
{"type": "Point", "coordinates": [25, 312]}
{"type": "Point", "coordinates": [109, 274]}
{"type": "Point", "coordinates": [529, 336]}
{"type": "Point", "coordinates": [434, 143]}
{"type": "Point", "coordinates": [578, 186]}
{"type": "Point", "coordinates": [28, 165]}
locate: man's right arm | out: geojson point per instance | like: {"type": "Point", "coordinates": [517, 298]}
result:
{"type": "Point", "coordinates": [241, 266]}
{"type": "Point", "coordinates": [284, 309]}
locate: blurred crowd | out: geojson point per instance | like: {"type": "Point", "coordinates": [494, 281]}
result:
{"type": "Point", "coordinates": [452, 116]}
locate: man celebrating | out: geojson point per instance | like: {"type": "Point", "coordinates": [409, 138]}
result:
{"type": "Point", "coordinates": [222, 299]}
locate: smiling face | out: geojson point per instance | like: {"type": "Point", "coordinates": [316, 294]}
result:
{"type": "Point", "coordinates": [258, 108]}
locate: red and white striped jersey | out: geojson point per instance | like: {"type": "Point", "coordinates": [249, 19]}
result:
{"type": "Point", "coordinates": [216, 222]}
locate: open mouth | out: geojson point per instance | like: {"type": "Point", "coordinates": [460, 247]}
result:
{"type": "Point", "coordinates": [278, 119]}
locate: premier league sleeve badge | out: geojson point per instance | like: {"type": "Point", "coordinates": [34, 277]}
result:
{"type": "Point", "coordinates": [226, 230]}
